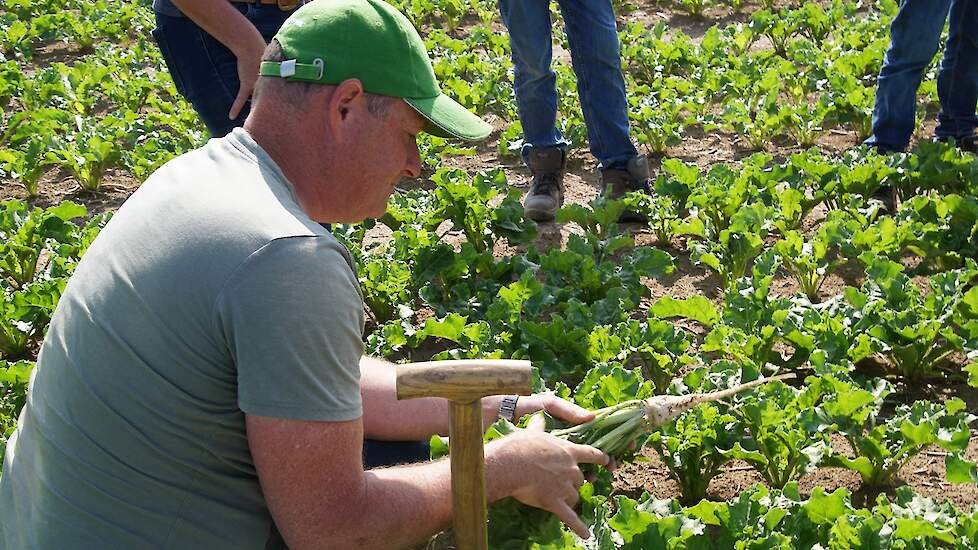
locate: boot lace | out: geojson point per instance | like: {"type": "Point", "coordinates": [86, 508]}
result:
{"type": "Point", "coordinates": [545, 184]}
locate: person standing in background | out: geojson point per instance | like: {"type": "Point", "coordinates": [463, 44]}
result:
{"type": "Point", "coordinates": [593, 37]}
{"type": "Point", "coordinates": [915, 36]}
{"type": "Point", "coordinates": [212, 49]}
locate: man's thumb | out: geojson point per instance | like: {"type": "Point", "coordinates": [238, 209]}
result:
{"type": "Point", "coordinates": [537, 422]}
{"type": "Point", "coordinates": [238, 103]}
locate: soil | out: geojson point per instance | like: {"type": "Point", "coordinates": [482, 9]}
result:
{"type": "Point", "coordinates": [925, 473]}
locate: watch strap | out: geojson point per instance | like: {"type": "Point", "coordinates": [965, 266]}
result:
{"type": "Point", "coordinates": [507, 407]}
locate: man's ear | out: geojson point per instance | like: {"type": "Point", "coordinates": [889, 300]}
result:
{"type": "Point", "coordinates": [347, 98]}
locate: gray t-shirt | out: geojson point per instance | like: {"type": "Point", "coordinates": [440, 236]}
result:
{"type": "Point", "coordinates": [209, 295]}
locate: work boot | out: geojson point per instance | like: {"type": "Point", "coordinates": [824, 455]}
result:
{"type": "Point", "coordinates": [546, 193]}
{"type": "Point", "coordinates": [968, 144]}
{"type": "Point", "coordinates": [616, 183]}
{"type": "Point", "coordinates": [887, 195]}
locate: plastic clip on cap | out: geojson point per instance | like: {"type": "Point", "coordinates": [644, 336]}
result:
{"type": "Point", "coordinates": [287, 68]}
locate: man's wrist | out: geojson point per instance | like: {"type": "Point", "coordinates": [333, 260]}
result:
{"type": "Point", "coordinates": [499, 466]}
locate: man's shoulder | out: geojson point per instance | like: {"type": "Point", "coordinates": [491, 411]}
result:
{"type": "Point", "coordinates": [295, 261]}
{"type": "Point", "coordinates": [224, 189]}
{"type": "Point", "coordinates": [209, 213]}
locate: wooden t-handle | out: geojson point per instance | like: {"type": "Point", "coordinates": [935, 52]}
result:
{"type": "Point", "coordinates": [463, 380]}
{"type": "Point", "coordinates": [464, 383]}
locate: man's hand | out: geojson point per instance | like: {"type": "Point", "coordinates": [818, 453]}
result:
{"type": "Point", "coordinates": [556, 407]}
{"type": "Point", "coordinates": [561, 409]}
{"type": "Point", "coordinates": [548, 474]}
{"type": "Point", "coordinates": [232, 29]}
{"type": "Point", "coordinates": [249, 60]}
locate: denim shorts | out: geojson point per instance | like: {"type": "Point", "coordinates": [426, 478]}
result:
{"type": "Point", "coordinates": [204, 71]}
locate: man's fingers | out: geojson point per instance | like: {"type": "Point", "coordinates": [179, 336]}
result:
{"type": "Point", "coordinates": [579, 478]}
{"type": "Point", "coordinates": [570, 519]}
{"type": "Point", "coordinates": [586, 454]}
{"type": "Point", "coordinates": [572, 496]}
{"type": "Point", "coordinates": [567, 411]}
{"type": "Point", "coordinates": [537, 423]}
{"type": "Point", "coordinates": [243, 95]}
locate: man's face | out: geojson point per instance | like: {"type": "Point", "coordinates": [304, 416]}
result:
{"type": "Point", "coordinates": [384, 152]}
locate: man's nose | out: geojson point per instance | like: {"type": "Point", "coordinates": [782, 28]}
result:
{"type": "Point", "coordinates": [412, 169]}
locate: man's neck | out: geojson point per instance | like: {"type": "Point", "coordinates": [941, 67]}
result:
{"type": "Point", "coordinates": [298, 161]}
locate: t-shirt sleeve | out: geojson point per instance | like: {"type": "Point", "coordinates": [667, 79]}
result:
{"type": "Point", "coordinates": [292, 317]}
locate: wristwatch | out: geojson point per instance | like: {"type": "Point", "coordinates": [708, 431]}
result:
{"type": "Point", "coordinates": [507, 407]}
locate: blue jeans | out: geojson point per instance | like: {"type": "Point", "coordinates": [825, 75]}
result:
{"type": "Point", "coordinates": [915, 36]}
{"type": "Point", "coordinates": [593, 39]}
{"type": "Point", "coordinates": [204, 71]}
{"type": "Point", "coordinates": [377, 454]}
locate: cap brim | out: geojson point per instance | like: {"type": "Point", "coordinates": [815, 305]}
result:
{"type": "Point", "coordinates": [448, 119]}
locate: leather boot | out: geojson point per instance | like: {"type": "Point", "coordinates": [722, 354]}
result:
{"type": "Point", "coordinates": [616, 183]}
{"type": "Point", "coordinates": [546, 194]}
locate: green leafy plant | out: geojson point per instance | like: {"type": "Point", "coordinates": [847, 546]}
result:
{"type": "Point", "coordinates": [732, 252]}
{"type": "Point", "coordinates": [14, 378]}
{"type": "Point", "coordinates": [89, 151]}
{"type": "Point", "coordinates": [777, 29]}
{"type": "Point", "coordinates": [696, 7]}
{"type": "Point", "coordinates": [692, 446]}
{"type": "Point", "coordinates": [659, 124]}
{"type": "Point", "coordinates": [915, 331]}
{"type": "Point", "coordinates": [882, 447]}
{"type": "Point", "coordinates": [811, 261]}
{"type": "Point", "coordinates": [944, 229]}
{"type": "Point", "coordinates": [26, 165]}
{"type": "Point", "coordinates": [753, 323]}
{"type": "Point", "coordinates": [691, 449]}
{"type": "Point", "coordinates": [27, 232]}
{"type": "Point", "coordinates": [778, 446]}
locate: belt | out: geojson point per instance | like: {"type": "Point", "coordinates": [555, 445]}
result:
{"type": "Point", "coordinates": [284, 5]}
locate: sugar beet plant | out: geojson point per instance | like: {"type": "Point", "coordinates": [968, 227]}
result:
{"type": "Point", "coordinates": [882, 447]}
{"type": "Point", "coordinates": [14, 377]}
{"type": "Point", "coordinates": [37, 254]}
{"type": "Point", "coordinates": [753, 323]}
{"type": "Point", "coordinates": [779, 447]}
{"type": "Point", "coordinates": [915, 331]}
{"type": "Point", "coordinates": [811, 260]}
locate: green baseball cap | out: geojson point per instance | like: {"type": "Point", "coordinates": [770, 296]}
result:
{"type": "Point", "coordinates": [329, 41]}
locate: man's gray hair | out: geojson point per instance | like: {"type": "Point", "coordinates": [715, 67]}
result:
{"type": "Point", "coordinates": [297, 93]}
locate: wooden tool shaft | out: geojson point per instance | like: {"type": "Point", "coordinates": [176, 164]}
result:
{"type": "Point", "coordinates": [468, 475]}
{"type": "Point", "coordinates": [463, 380]}
{"type": "Point", "coordinates": [464, 383]}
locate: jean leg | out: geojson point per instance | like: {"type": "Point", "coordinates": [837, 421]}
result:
{"type": "Point", "coordinates": [267, 18]}
{"type": "Point", "coordinates": [207, 70]}
{"type": "Point", "coordinates": [535, 82]}
{"type": "Point", "coordinates": [957, 82]}
{"type": "Point", "coordinates": [593, 37]}
{"type": "Point", "coordinates": [915, 35]}
{"type": "Point", "coordinates": [377, 454]}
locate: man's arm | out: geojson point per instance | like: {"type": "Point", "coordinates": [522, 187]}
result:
{"type": "Point", "coordinates": [320, 497]}
{"type": "Point", "coordinates": [387, 419]}
{"type": "Point", "coordinates": [226, 24]}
